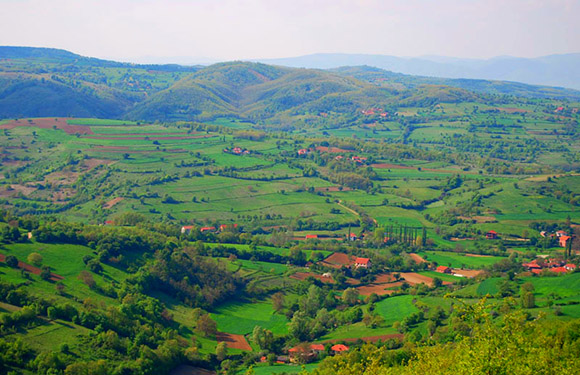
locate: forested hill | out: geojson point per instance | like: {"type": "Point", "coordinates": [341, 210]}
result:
{"type": "Point", "coordinates": [39, 82]}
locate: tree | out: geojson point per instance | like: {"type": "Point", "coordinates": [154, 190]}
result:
{"type": "Point", "coordinates": [350, 296]}
{"type": "Point", "coordinates": [45, 273]}
{"type": "Point", "coordinates": [221, 351]}
{"type": "Point", "coordinates": [262, 337]}
{"type": "Point", "coordinates": [11, 261]}
{"type": "Point", "coordinates": [278, 301]}
{"type": "Point", "coordinates": [299, 326]}
{"type": "Point", "coordinates": [206, 326]}
{"type": "Point", "coordinates": [35, 259]}
{"type": "Point", "coordinates": [87, 278]}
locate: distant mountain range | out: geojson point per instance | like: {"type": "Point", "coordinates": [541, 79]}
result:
{"type": "Point", "coordinates": [38, 82]}
{"type": "Point", "coordinates": [553, 70]}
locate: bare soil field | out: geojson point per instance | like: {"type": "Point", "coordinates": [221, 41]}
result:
{"type": "Point", "coordinates": [513, 110]}
{"type": "Point", "coordinates": [304, 275]}
{"type": "Point", "coordinates": [233, 341]}
{"type": "Point", "coordinates": [332, 150]}
{"type": "Point", "coordinates": [112, 202]}
{"type": "Point", "coordinates": [414, 278]}
{"type": "Point", "coordinates": [378, 289]}
{"type": "Point", "coordinates": [16, 189]}
{"type": "Point", "coordinates": [417, 258]}
{"type": "Point", "coordinates": [468, 273]}
{"type": "Point", "coordinates": [49, 123]}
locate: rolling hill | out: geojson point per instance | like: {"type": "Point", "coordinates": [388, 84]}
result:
{"type": "Point", "coordinates": [36, 82]}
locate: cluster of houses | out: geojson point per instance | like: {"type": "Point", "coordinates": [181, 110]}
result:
{"type": "Point", "coordinates": [537, 266]}
{"type": "Point", "coordinates": [359, 159]}
{"type": "Point", "coordinates": [186, 229]}
{"type": "Point", "coordinates": [562, 236]}
{"type": "Point", "coordinates": [306, 353]}
{"type": "Point", "coordinates": [237, 151]}
{"type": "Point", "coordinates": [374, 111]}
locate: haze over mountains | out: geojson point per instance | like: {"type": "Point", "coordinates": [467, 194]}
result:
{"type": "Point", "coordinates": [554, 70]}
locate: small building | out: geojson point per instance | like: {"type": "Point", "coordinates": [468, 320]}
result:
{"type": "Point", "coordinates": [304, 353]}
{"type": "Point", "coordinates": [570, 267]}
{"type": "Point", "coordinates": [311, 236]}
{"type": "Point", "coordinates": [563, 240]}
{"type": "Point", "coordinates": [109, 222]}
{"type": "Point", "coordinates": [186, 229]}
{"type": "Point", "coordinates": [362, 262]}
{"type": "Point", "coordinates": [303, 151]}
{"type": "Point", "coordinates": [444, 269]}
{"type": "Point", "coordinates": [561, 233]}
{"type": "Point", "coordinates": [543, 233]}
{"type": "Point", "coordinates": [559, 270]}
{"type": "Point", "coordinates": [225, 226]}
{"type": "Point", "coordinates": [207, 229]}
{"type": "Point", "coordinates": [491, 235]}
{"type": "Point", "coordinates": [352, 237]}
{"type": "Point", "coordinates": [339, 348]}
{"type": "Point", "coordinates": [533, 265]}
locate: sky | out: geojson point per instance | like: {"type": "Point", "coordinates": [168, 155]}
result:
{"type": "Point", "coordinates": [137, 30]}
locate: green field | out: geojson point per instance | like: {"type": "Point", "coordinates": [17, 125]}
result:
{"type": "Point", "coordinates": [242, 317]}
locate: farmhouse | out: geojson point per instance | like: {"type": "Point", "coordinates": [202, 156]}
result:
{"type": "Point", "coordinates": [207, 229]}
{"type": "Point", "coordinates": [561, 233]}
{"type": "Point", "coordinates": [304, 353]}
{"type": "Point", "coordinates": [225, 226]}
{"type": "Point", "coordinates": [443, 269]}
{"type": "Point", "coordinates": [362, 262]}
{"type": "Point", "coordinates": [186, 229]}
{"type": "Point", "coordinates": [570, 267]}
{"type": "Point", "coordinates": [564, 240]}
{"type": "Point", "coordinates": [339, 348]}
{"type": "Point", "coordinates": [303, 151]}
{"type": "Point", "coordinates": [491, 235]}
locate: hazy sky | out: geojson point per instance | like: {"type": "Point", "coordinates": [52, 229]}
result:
{"type": "Point", "coordinates": [236, 29]}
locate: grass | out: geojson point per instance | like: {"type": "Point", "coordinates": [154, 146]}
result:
{"type": "Point", "coordinates": [456, 260]}
{"type": "Point", "coordinates": [241, 318]}
{"type": "Point", "coordinates": [281, 369]}
{"type": "Point", "coordinates": [395, 309]}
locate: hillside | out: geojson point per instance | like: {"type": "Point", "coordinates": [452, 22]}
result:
{"type": "Point", "coordinates": [273, 220]}
{"type": "Point", "coordinates": [49, 82]}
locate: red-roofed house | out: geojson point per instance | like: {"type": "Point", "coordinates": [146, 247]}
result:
{"type": "Point", "coordinates": [186, 229]}
{"type": "Point", "coordinates": [109, 222]}
{"type": "Point", "coordinates": [339, 348]}
{"type": "Point", "coordinates": [311, 236]}
{"type": "Point", "coordinates": [302, 151]}
{"type": "Point", "coordinates": [536, 271]}
{"type": "Point", "coordinates": [570, 267]}
{"type": "Point", "coordinates": [443, 269]}
{"type": "Point", "coordinates": [559, 270]}
{"type": "Point", "coordinates": [317, 347]}
{"type": "Point", "coordinates": [491, 235]}
{"type": "Point", "coordinates": [207, 229]}
{"type": "Point", "coordinates": [532, 265]}
{"type": "Point", "coordinates": [362, 262]}
{"type": "Point", "coordinates": [304, 353]}
{"type": "Point", "coordinates": [561, 233]}
{"type": "Point", "coordinates": [564, 240]}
